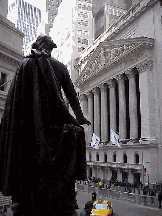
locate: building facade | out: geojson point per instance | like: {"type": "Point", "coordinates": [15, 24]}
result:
{"type": "Point", "coordinates": [11, 41]}
{"type": "Point", "coordinates": [120, 89]}
{"type": "Point", "coordinates": [106, 12]}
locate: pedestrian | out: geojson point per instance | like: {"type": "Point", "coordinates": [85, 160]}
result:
{"type": "Point", "coordinates": [94, 196]}
{"type": "Point", "coordinates": [145, 196]}
{"type": "Point", "coordinates": [160, 197]}
{"type": "Point", "coordinates": [152, 194]}
{"type": "Point", "coordinates": [100, 184]}
{"type": "Point", "coordinates": [42, 146]}
{"type": "Point", "coordinates": [139, 190]}
{"type": "Point", "coordinates": [88, 208]}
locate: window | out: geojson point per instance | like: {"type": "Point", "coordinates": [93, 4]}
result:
{"type": "Point", "coordinates": [85, 7]}
{"type": "Point", "coordinates": [83, 22]}
{"type": "Point", "coordinates": [85, 41]}
{"type": "Point", "coordinates": [136, 158]}
{"type": "Point", "coordinates": [125, 158]}
{"type": "Point", "coordinates": [105, 158]}
{"type": "Point", "coordinates": [85, 15]}
{"type": "Point", "coordinates": [114, 157]}
{"type": "Point", "coordinates": [79, 32]}
{"type": "Point", "coordinates": [85, 32]}
{"type": "Point", "coordinates": [79, 40]}
{"type": "Point", "coordinates": [97, 157]}
{"type": "Point", "coordinates": [89, 153]}
{"type": "Point", "coordinates": [3, 80]}
{"type": "Point", "coordinates": [80, 49]}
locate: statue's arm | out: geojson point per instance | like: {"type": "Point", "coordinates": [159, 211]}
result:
{"type": "Point", "coordinates": [71, 95]}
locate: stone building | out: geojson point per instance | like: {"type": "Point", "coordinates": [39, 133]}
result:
{"type": "Point", "coordinates": [120, 78]}
{"type": "Point", "coordinates": [11, 41]}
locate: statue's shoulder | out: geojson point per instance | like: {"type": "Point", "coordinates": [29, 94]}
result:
{"type": "Point", "coordinates": [57, 64]}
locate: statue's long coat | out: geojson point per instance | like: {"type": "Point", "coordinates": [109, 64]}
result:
{"type": "Point", "coordinates": [40, 156]}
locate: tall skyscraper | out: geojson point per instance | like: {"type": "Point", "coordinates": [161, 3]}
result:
{"type": "Point", "coordinates": [26, 18]}
{"type": "Point", "coordinates": [52, 8]}
{"type": "Point", "coordinates": [72, 31]}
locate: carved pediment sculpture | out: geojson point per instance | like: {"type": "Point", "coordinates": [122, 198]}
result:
{"type": "Point", "coordinates": [109, 54]}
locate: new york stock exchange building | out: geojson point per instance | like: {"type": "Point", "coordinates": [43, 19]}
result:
{"type": "Point", "coordinates": [120, 89]}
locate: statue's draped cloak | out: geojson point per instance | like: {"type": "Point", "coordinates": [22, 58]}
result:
{"type": "Point", "coordinates": [42, 149]}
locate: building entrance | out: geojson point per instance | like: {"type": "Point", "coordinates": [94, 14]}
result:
{"type": "Point", "coordinates": [124, 176]}
{"type": "Point", "coordinates": [137, 177]}
{"type": "Point", "coordinates": [114, 175]}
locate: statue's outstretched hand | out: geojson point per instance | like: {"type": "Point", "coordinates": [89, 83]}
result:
{"type": "Point", "coordinates": [84, 121]}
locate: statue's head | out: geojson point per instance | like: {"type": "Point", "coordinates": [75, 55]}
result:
{"type": "Point", "coordinates": [44, 42]}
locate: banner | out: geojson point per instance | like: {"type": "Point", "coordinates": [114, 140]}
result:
{"type": "Point", "coordinates": [115, 138]}
{"type": "Point", "coordinates": [95, 141]}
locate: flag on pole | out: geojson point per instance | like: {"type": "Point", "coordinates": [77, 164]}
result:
{"type": "Point", "coordinates": [115, 138]}
{"type": "Point", "coordinates": [95, 141]}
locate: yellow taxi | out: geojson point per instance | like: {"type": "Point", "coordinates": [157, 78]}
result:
{"type": "Point", "coordinates": [102, 208]}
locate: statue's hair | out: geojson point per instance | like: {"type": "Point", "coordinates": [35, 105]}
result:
{"type": "Point", "coordinates": [40, 39]}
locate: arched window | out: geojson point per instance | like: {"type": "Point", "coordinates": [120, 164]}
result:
{"type": "Point", "coordinates": [105, 158]}
{"type": "Point", "coordinates": [136, 158]}
{"type": "Point", "coordinates": [97, 157]}
{"type": "Point", "coordinates": [114, 157]}
{"type": "Point", "coordinates": [124, 158]}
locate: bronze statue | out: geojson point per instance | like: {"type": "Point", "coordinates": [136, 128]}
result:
{"type": "Point", "coordinates": [42, 146]}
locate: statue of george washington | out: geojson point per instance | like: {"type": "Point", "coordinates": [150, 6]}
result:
{"type": "Point", "coordinates": [42, 146]}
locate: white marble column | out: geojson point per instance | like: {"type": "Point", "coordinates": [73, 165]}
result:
{"type": "Point", "coordinates": [96, 93]}
{"type": "Point", "coordinates": [90, 115]}
{"type": "Point", "coordinates": [104, 113]}
{"type": "Point", "coordinates": [144, 105]}
{"type": "Point", "coordinates": [83, 104]}
{"type": "Point", "coordinates": [133, 104]}
{"type": "Point", "coordinates": [111, 84]}
{"type": "Point", "coordinates": [84, 107]}
{"type": "Point", "coordinates": [122, 107]}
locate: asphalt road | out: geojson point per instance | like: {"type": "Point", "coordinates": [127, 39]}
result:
{"type": "Point", "coordinates": [121, 208]}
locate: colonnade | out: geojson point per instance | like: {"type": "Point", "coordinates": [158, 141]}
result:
{"type": "Point", "coordinates": [111, 105]}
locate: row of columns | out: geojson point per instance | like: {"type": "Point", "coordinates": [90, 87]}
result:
{"type": "Point", "coordinates": [102, 115]}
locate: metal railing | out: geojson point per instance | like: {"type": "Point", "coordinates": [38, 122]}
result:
{"type": "Point", "coordinates": [119, 193]}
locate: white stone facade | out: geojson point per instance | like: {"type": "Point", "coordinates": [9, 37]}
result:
{"type": "Point", "coordinates": [120, 89]}
{"type": "Point", "coordinates": [11, 41]}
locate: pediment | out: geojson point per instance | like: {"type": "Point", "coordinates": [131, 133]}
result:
{"type": "Point", "coordinates": [108, 54]}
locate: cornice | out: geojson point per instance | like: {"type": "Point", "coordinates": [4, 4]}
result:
{"type": "Point", "coordinates": [10, 53]}
{"type": "Point", "coordinates": [110, 54]}
{"type": "Point", "coordinates": [10, 26]}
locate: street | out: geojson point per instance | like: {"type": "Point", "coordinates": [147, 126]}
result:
{"type": "Point", "coordinates": [121, 208]}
